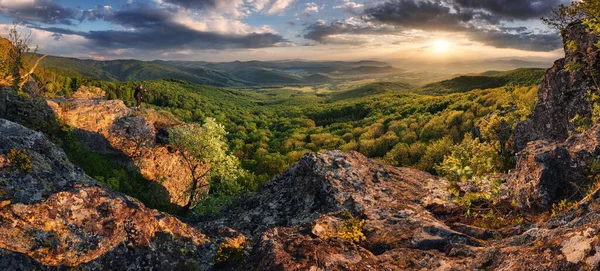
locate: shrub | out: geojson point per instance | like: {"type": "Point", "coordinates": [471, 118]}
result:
{"type": "Point", "coordinates": [470, 158]}
{"type": "Point", "coordinates": [20, 160]}
{"type": "Point", "coordinates": [351, 228]}
{"type": "Point", "coordinates": [231, 253]}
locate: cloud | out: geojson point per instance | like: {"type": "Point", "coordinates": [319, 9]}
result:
{"type": "Point", "coordinates": [311, 7]}
{"type": "Point", "coordinates": [152, 28]}
{"type": "Point", "coordinates": [480, 20]}
{"type": "Point", "coordinates": [44, 11]}
{"type": "Point", "coordinates": [279, 6]}
{"type": "Point", "coordinates": [350, 7]}
{"type": "Point", "coordinates": [426, 15]}
{"type": "Point", "coordinates": [323, 32]}
{"type": "Point", "coordinates": [513, 9]}
{"type": "Point", "coordinates": [521, 39]}
{"type": "Point", "coordinates": [195, 4]}
{"type": "Point", "coordinates": [97, 13]}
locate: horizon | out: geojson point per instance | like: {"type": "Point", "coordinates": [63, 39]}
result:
{"type": "Point", "coordinates": [279, 30]}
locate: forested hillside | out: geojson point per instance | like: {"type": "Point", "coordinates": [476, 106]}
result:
{"type": "Point", "coordinates": [231, 74]}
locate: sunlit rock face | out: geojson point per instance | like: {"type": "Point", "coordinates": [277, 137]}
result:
{"type": "Point", "coordinates": [52, 214]}
{"type": "Point", "coordinates": [110, 127]}
{"type": "Point", "coordinates": [563, 93]}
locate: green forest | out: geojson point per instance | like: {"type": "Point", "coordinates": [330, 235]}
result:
{"type": "Point", "coordinates": [459, 128]}
{"type": "Point", "coordinates": [447, 129]}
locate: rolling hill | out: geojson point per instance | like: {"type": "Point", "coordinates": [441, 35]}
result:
{"type": "Point", "coordinates": [226, 74]}
{"type": "Point", "coordinates": [370, 90]}
{"type": "Point", "coordinates": [486, 80]}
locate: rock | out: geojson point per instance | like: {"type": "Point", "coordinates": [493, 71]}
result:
{"type": "Point", "coordinates": [84, 92]}
{"type": "Point", "coordinates": [58, 216]}
{"type": "Point", "coordinates": [110, 127]}
{"type": "Point", "coordinates": [553, 158]}
{"type": "Point", "coordinates": [562, 94]}
{"type": "Point", "coordinates": [549, 172]}
{"type": "Point", "coordinates": [340, 210]}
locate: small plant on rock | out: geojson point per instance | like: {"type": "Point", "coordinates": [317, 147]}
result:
{"type": "Point", "coordinates": [562, 206]}
{"type": "Point", "coordinates": [20, 160]}
{"type": "Point", "coordinates": [351, 228]}
{"type": "Point", "coordinates": [231, 253]}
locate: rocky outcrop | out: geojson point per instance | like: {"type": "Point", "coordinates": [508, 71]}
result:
{"type": "Point", "coordinates": [336, 211]}
{"type": "Point", "coordinates": [110, 127]}
{"type": "Point", "coordinates": [89, 93]}
{"type": "Point", "coordinates": [563, 93]}
{"type": "Point", "coordinates": [554, 159]}
{"type": "Point", "coordinates": [549, 172]}
{"type": "Point", "coordinates": [52, 214]}
{"type": "Point", "coordinates": [332, 211]}
{"type": "Point", "coordinates": [339, 211]}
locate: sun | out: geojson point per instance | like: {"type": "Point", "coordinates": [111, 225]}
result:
{"type": "Point", "coordinates": [441, 46]}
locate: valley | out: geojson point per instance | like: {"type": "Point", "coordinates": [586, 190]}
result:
{"type": "Point", "coordinates": [442, 141]}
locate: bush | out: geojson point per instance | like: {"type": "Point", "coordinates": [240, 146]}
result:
{"type": "Point", "coordinates": [470, 158]}
{"type": "Point", "coordinates": [351, 228]}
{"type": "Point", "coordinates": [231, 253]}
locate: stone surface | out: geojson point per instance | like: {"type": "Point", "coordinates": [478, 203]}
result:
{"type": "Point", "coordinates": [549, 172]}
{"type": "Point", "coordinates": [58, 216]}
{"type": "Point", "coordinates": [110, 127]}
{"type": "Point", "coordinates": [89, 93]}
{"type": "Point", "coordinates": [562, 94]}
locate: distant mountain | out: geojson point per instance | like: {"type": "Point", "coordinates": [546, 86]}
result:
{"type": "Point", "coordinates": [226, 74]}
{"type": "Point", "coordinates": [371, 70]}
{"type": "Point", "coordinates": [486, 80]}
{"type": "Point", "coordinates": [318, 78]}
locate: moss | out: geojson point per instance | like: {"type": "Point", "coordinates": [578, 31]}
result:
{"type": "Point", "coordinates": [20, 160]}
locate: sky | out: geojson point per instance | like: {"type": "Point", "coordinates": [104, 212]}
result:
{"type": "Point", "coordinates": [228, 30]}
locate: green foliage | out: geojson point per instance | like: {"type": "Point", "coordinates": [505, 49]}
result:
{"type": "Point", "coordinates": [562, 206]}
{"type": "Point", "coordinates": [208, 145]}
{"type": "Point", "coordinates": [572, 46]}
{"type": "Point", "coordinates": [521, 77]}
{"type": "Point", "coordinates": [470, 158]}
{"type": "Point", "coordinates": [20, 160]}
{"type": "Point", "coordinates": [261, 132]}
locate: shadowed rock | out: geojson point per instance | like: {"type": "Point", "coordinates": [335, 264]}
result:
{"type": "Point", "coordinates": [110, 127]}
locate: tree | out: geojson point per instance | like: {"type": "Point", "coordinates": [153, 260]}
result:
{"type": "Point", "coordinates": [15, 63]}
{"type": "Point", "coordinates": [205, 151]}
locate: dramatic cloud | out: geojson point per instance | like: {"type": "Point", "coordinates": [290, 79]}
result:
{"type": "Point", "coordinates": [523, 40]}
{"type": "Point", "coordinates": [139, 28]}
{"type": "Point", "coordinates": [44, 11]}
{"type": "Point", "coordinates": [516, 9]}
{"type": "Point", "coordinates": [153, 29]}
{"type": "Point", "coordinates": [323, 32]}
{"type": "Point", "coordinates": [417, 14]}
{"type": "Point", "coordinates": [479, 20]}
{"type": "Point", "coordinates": [195, 4]}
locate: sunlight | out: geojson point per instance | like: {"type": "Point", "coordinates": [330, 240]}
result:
{"type": "Point", "coordinates": [441, 46]}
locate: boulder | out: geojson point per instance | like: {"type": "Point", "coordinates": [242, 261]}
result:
{"type": "Point", "coordinates": [53, 215]}
{"type": "Point", "coordinates": [84, 92]}
{"type": "Point", "coordinates": [110, 127]}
